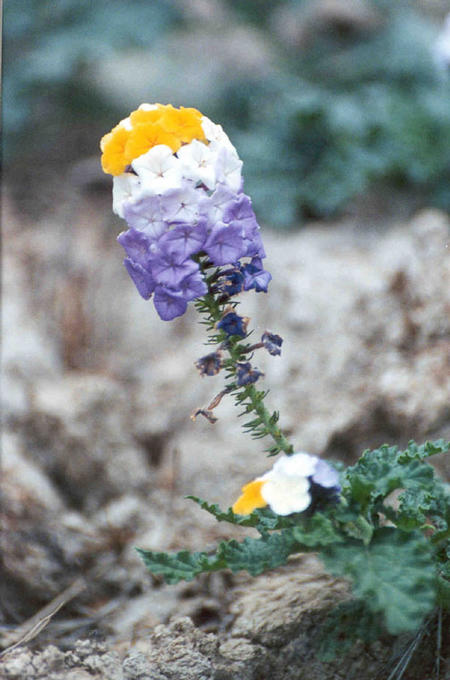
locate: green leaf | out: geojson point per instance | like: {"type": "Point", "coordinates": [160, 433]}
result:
{"type": "Point", "coordinates": [416, 452]}
{"type": "Point", "coordinates": [262, 519]}
{"type": "Point", "coordinates": [180, 566]}
{"type": "Point", "coordinates": [381, 471]}
{"type": "Point", "coordinates": [317, 531]}
{"type": "Point", "coordinates": [261, 554]}
{"type": "Point", "coordinates": [394, 575]}
{"type": "Point", "coordinates": [346, 623]}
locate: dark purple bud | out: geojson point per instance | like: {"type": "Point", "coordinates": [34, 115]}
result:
{"type": "Point", "coordinates": [209, 364]}
{"type": "Point", "coordinates": [230, 282]}
{"type": "Point", "coordinates": [272, 343]}
{"type": "Point", "coordinates": [233, 324]}
{"type": "Point", "coordinates": [255, 277]}
{"type": "Point", "coordinates": [246, 375]}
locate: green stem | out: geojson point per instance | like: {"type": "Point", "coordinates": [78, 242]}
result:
{"type": "Point", "coordinates": [211, 307]}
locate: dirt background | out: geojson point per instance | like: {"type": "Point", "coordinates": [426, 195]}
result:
{"type": "Point", "coordinates": [99, 449]}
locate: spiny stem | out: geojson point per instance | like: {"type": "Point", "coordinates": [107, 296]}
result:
{"type": "Point", "coordinates": [212, 308]}
{"type": "Point", "coordinates": [269, 420]}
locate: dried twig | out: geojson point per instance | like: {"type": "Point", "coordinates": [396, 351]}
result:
{"type": "Point", "coordinates": [34, 625]}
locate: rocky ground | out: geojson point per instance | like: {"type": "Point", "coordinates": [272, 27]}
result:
{"type": "Point", "coordinates": [99, 449]}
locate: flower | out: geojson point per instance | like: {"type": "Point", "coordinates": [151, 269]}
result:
{"type": "Point", "coordinates": [210, 364]}
{"type": "Point", "coordinates": [272, 342]}
{"type": "Point", "coordinates": [177, 180]}
{"type": "Point", "coordinates": [289, 486]}
{"type": "Point", "coordinates": [233, 324]}
{"type": "Point", "coordinates": [246, 374]}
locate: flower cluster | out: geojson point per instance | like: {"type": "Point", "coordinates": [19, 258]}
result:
{"type": "Point", "coordinates": [178, 184]}
{"type": "Point", "coordinates": [290, 486]}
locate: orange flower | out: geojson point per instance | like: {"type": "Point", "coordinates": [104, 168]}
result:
{"type": "Point", "coordinates": [144, 136]}
{"type": "Point", "coordinates": [251, 498]}
{"type": "Point", "coordinates": [113, 147]}
{"type": "Point", "coordinates": [184, 123]}
{"type": "Point", "coordinates": [146, 116]}
{"type": "Point", "coordinates": [147, 127]}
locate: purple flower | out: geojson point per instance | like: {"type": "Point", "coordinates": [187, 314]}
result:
{"type": "Point", "coordinates": [193, 286]}
{"type": "Point", "coordinates": [326, 476]}
{"type": "Point", "coordinates": [209, 364]}
{"type": "Point", "coordinates": [213, 207]}
{"type": "Point", "coordinates": [225, 244]}
{"type": "Point", "coordinates": [246, 375]}
{"type": "Point", "coordinates": [141, 277]}
{"type": "Point", "coordinates": [170, 268]}
{"type": "Point", "coordinates": [146, 215]}
{"type": "Point", "coordinates": [181, 204]}
{"type": "Point", "coordinates": [169, 303]}
{"type": "Point", "coordinates": [255, 248]}
{"type": "Point", "coordinates": [136, 245]}
{"type": "Point", "coordinates": [230, 282]}
{"type": "Point", "coordinates": [272, 342]}
{"type": "Point", "coordinates": [239, 209]}
{"type": "Point", "coordinates": [255, 276]}
{"type": "Point", "coordinates": [184, 239]}
{"type": "Point", "coordinates": [233, 324]}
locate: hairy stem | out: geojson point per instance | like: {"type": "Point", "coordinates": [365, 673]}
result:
{"type": "Point", "coordinates": [211, 307]}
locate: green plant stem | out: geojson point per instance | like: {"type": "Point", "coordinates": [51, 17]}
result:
{"type": "Point", "coordinates": [212, 308]}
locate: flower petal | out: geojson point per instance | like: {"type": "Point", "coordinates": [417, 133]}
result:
{"type": "Point", "coordinates": [250, 499]}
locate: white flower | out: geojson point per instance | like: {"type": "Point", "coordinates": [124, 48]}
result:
{"type": "Point", "coordinates": [286, 488]}
{"type": "Point", "coordinates": [158, 169]}
{"type": "Point", "coordinates": [126, 187]}
{"type": "Point", "coordinates": [198, 162]}
{"type": "Point", "coordinates": [147, 107]}
{"type": "Point", "coordinates": [126, 123]}
{"type": "Point", "coordinates": [181, 205]}
{"type": "Point", "coordinates": [145, 215]}
{"type": "Point", "coordinates": [298, 465]}
{"type": "Point", "coordinates": [213, 206]}
{"type": "Point", "coordinates": [286, 493]}
{"type": "Point", "coordinates": [215, 135]}
{"type": "Point", "coordinates": [228, 169]}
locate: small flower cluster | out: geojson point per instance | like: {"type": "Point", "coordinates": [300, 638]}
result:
{"type": "Point", "coordinates": [292, 484]}
{"type": "Point", "coordinates": [178, 184]}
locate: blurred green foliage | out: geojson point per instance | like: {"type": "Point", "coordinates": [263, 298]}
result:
{"type": "Point", "coordinates": [356, 103]}
{"type": "Point", "coordinates": [49, 45]}
{"type": "Point", "coordinates": [360, 106]}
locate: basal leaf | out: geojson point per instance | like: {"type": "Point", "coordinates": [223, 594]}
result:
{"type": "Point", "coordinates": [394, 575]}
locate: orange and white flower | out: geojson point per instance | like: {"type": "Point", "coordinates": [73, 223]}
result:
{"type": "Point", "coordinates": [288, 486]}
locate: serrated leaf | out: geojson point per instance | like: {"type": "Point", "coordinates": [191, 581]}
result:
{"type": "Point", "coordinates": [317, 531]}
{"type": "Point", "coordinates": [423, 451]}
{"type": "Point", "coordinates": [394, 575]}
{"type": "Point", "coordinates": [379, 472]}
{"type": "Point", "coordinates": [254, 555]}
{"type": "Point", "coordinates": [262, 519]}
{"type": "Point", "coordinates": [180, 566]}
{"type": "Point", "coordinates": [261, 554]}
